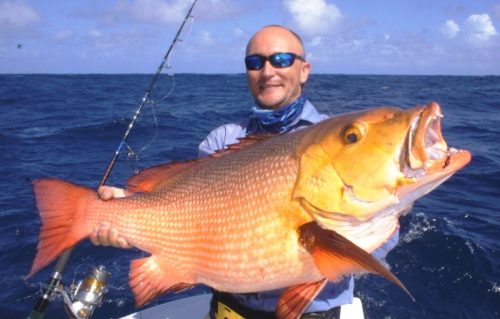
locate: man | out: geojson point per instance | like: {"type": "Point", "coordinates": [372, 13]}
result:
{"type": "Point", "coordinates": [277, 72]}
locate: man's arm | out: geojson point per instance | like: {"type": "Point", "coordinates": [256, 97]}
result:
{"type": "Point", "coordinates": [381, 252]}
{"type": "Point", "coordinates": [105, 235]}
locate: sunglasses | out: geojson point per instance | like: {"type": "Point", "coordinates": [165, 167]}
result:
{"type": "Point", "coordinates": [277, 60]}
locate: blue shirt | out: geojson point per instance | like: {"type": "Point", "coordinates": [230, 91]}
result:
{"type": "Point", "coordinates": [333, 294]}
{"type": "Point", "coordinates": [228, 134]}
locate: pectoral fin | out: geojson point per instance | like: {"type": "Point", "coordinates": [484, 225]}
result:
{"type": "Point", "coordinates": [296, 299]}
{"type": "Point", "coordinates": [335, 256]}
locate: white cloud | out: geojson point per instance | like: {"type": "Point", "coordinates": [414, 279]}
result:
{"type": "Point", "coordinates": [450, 29]}
{"type": "Point", "coordinates": [479, 27]}
{"type": "Point", "coordinates": [313, 16]}
{"type": "Point", "coordinates": [316, 42]}
{"type": "Point", "coordinates": [63, 35]}
{"type": "Point", "coordinates": [106, 42]}
{"type": "Point", "coordinates": [158, 10]}
{"type": "Point", "coordinates": [206, 38]}
{"type": "Point", "coordinates": [239, 33]}
{"type": "Point", "coordinates": [17, 14]}
{"type": "Point", "coordinates": [149, 11]}
{"type": "Point", "coordinates": [95, 33]}
{"type": "Point", "coordinates": [215, 10]}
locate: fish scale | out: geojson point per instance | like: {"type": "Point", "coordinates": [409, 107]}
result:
{"type": "Point", "coordinates": [221, 223]}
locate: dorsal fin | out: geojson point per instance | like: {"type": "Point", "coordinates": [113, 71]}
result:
{"type": "Point", "coordinates": [244, 142]}
{"type": "Point", "coordinates": [149, 178]}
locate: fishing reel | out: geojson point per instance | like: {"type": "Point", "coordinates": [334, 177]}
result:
{"type": "Point", "coordinates": [86, 295]}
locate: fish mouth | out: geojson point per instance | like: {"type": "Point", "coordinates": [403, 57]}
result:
{"type": "Point", "coordinates": [425, 150]}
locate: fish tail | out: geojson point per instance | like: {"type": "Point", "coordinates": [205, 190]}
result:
{"type": "Point", "coordinates": [61, 208]}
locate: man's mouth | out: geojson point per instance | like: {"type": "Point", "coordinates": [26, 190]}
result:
{"type": "Point", "coordinates": [270, 86]}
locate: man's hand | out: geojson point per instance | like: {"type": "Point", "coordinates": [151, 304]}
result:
{"type": "Point", "coordinates": [105, 235]}
{"type": "Point", "coordinates": [109, 192]}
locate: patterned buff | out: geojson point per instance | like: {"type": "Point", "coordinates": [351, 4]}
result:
{"type": "Point", "coordinates": [278, 121]}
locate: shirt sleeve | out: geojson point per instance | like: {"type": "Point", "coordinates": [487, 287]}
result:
{"type": "Point", "coordinates": [220, 137]}
{"type": "Point", "coordinates": [381, 252]}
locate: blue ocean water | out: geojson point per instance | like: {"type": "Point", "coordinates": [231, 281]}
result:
{"type": "Point", "coordinates": [68, 126]}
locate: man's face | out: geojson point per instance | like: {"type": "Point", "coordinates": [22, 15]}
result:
{"type": "Point", "coordinates": [273, 87]}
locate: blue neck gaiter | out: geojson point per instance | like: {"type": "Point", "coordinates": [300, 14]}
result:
{"type": "Point", "coordinates": [277, 121]}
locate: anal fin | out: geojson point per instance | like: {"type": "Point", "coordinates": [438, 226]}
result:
{"type": "Point", "coordinates": [296, 299]}
{"type": "Point", "coordinates": [149, 278]}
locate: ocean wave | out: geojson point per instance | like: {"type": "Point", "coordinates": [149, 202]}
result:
{"type": "Point", "coordinates": [69, 127]}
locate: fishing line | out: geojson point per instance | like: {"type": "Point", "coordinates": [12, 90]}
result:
{"type": "Point", "coordinates": [132, 155]}
{"type": "Point", "coordinates": [191, 26]}
{"type": "Point", "coordinates": [55, 280]}
{"type": "Point", "coordinates": [234, 20]}
{"type": "Point", "coordinates": [145, 98]}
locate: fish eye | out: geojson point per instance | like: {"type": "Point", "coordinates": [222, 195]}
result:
{"type": "Point", "coordinates": [352, 137]}
{"type": "Point", "coordinates": [353, 133]}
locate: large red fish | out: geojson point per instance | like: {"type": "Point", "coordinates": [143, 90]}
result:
{"type": "Point", "coordinates": [292, 211]}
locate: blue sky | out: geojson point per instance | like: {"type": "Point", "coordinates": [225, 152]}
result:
{"type": "Point", "coordinates": [341, 36]}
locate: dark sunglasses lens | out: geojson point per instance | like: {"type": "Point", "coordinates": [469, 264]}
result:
{"type": "Point", "coordinates": [282, 60]}
{"type": "Point", "coordinates": [254, 62]}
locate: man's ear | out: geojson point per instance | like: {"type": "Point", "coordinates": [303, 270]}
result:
{"type": "Point", "coordinates": [304, 72]}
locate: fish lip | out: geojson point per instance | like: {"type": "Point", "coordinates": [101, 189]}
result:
{"type": "Point", "coordinates": [425, 148]}
{"type": "Point", "coordinates": [424, 143]}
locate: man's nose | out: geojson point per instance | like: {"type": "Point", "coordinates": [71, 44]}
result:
{"type": "Point", "coordinates": [268, 69]}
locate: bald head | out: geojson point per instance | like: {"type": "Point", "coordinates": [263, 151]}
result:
{"type": "Point", "coordinates": [276, 33]}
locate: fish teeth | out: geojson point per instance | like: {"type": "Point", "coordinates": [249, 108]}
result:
{"type": "Point", "coordinates": [435, 154]}
{"type": "Point", "coordinates": [413, 173]}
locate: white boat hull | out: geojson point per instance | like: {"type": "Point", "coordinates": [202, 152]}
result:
{"type": "Point", "coordinates": [196, 307]}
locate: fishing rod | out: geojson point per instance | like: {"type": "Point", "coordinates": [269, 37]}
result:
{"type": "Point", "coordinates": [98, 276]}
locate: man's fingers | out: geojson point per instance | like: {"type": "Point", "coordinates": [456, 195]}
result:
{"type": "Point", "coordinates": [106, 236]}
{"type": "Point", "coordinates": [113, 237]}
{"type": "Point", "coordinates": [103, 234]}
{"type": "Point", "coordinates": [105, 192]}
{"type": "Point", "coordinates": [117, 241]}
{"type": "Point", "coordinates": [109, 192]}
{"type": "Point", "coordinates": [123, 243]}
{"type": "Point", "coordinates": [93, 238]}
